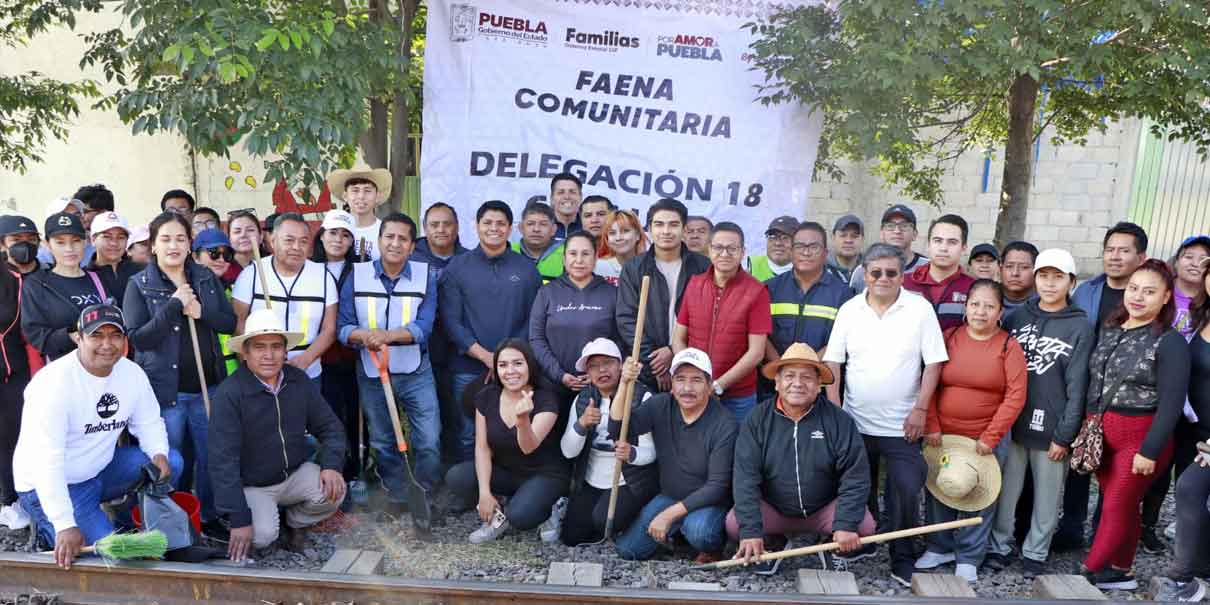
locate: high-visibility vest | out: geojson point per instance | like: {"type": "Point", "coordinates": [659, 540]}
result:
{"type": "Point", "coordinates": [230, 359]}
{"type": "Point", "coordinates": [378, 309]}
{"type": "Point", "coordinates": [298, 301]}
{"type": "Point", "coordinates": [758, 267]}
{"type": "Point", "coordinates": [550, 266]}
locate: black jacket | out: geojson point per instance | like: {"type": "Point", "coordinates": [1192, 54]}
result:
{"type": "Point", "coordinates": [1056, 346]}
{"type": "Point", "coordinates": [441, 350]}
{"type": "Point", "coordinates": [154, 321]}
{"type": "Point", "coordinates": [47, 316]}
{"type": "Point", "coordinates": [115, 278]}
{"type": "Point", "coordinates": [258, 439]}
{"type": "Point", "coordinates": [643, 482]}
{"type": "Point", "coordinates": [656, 330]}
{"type": "Point", "coordinates": [14, 365]}
{"type": "Point", "coordinates": [800, 467]}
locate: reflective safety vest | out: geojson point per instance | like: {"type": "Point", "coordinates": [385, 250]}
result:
{"type": "Point", "coordinates": [379, 310]}
{"type": "Point", "coordinates": [550, 266]}
{"type": "Point", "coordinates": [230, 359]}
{"type": "Point", "coordinates": [759, 267]}
{"type": "Point", "coordinates": [298, 301]}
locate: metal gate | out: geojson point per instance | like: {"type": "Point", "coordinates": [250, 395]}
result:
{"type": "Point", "coordinates": [1170, 198]}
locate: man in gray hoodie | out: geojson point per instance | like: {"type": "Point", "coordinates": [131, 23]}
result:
{"type": "Point", "coordinates": [1057, 340]}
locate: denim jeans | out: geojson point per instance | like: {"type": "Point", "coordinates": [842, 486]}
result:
{"type": "Point", "coordinates": [702, 528]}
{"type": "Point", "coordinates": [740, 406]}
{"type": "Point", "coordinates": [969, 544]}
{"type": "Point", "coordinates": [418, 394]}
{"type": "Point", "coordinates": [464, 431]}
{"type": "Point", "coordinates": [187, 417]}
{"type": "Point", "coordinates": [116, 479]}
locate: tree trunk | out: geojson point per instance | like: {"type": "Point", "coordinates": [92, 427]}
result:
{"type": "Point", "coordinates": [401, 157]}
{"type": "Point", "coordinates": [1018, 161]}
{"type": "Point", "coordinates": [374, 141]}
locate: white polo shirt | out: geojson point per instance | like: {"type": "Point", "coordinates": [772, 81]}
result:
{"type": "Point", "coordinates": [884, 357]}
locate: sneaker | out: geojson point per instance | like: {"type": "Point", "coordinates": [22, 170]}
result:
{"type": "Point", "coordinates": [1032, 568]}
{"type": "Point", "coordinates": [491, 530]}
{"type": "Point", "coordinates": [217, 529]}
{"type": "Point", "coordinates": [933, 560]}
{"type": "Point", "coordinates": [1170, 531]}
{"type": "Point", "coordinates": [967, 572]}
{"type": "Point", "coordinates": [1112, 579]}
{"type": "Point", "coordinates": [902, 572]}
{"type": "Point", "coordinates": [996, 562]}
{"type": "Point", "coordinates": [1152, 544]}
{"type": "Point", "coordinates": [770, 568]}
{"type": "Point", "coordinates": [553, 525]}
{"type": "Point", "coordinates": [13, 516]}
{"type": "Point", "coordinates": [1179, 592]}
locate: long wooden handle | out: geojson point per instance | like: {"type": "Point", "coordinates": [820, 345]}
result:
{"type": "Point", "coordinates": [623, 396]}
{"type": "Point", "coordinates": [264, 280]}
{"type": "Point", "coordinates": [382, 361]}
{"type": "Point", "coordinates": [874, 539]}
{"type": "Point", "coordinates": [201, 369]}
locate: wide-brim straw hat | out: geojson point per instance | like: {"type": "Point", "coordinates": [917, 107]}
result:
{"type": "Point", "coordinates": [261, 322]}
{"type": "Point", "coordinates": [959, 477]}
{"type": "Point", "coordinates": [799, 353]}
{"type": "Point", "coordinates": [381, 177]}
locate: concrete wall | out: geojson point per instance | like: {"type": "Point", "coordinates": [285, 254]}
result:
{"type": "Point", "coordinates": [1077, 193]}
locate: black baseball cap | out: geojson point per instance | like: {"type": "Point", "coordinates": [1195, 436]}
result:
{"type": "Point", "coordinates": [13, 224]}
{"type": "Point", "coordinates": [988, 249]}
{"type": "Point", "coordinates": [783, 224]}
{"type": "Point", "coordinates": [900, 210]}
{"type": "Point", "coordinates": [846, 221]}
{"type": "Point", "coordinates": [63, 223]}
{"type": "Point", "coordinates": [95, 316]}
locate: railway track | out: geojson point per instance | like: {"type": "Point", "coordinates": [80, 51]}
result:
{"type": "Point", "coordinates": [92, 582]}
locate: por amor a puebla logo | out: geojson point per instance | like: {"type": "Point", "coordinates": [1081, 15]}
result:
{"type": "Point", "coordinates": [468, 22]}
{"type": "Point", "coordinates": [688, 46]}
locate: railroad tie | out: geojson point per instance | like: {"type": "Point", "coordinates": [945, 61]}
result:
{"type": "Point", "coordinates": [355, 562]}
{"type": "Point", "coordinates": [817, 582]}
{"type": "Point", "coordinates": [565, 573]}
{"type": "Point", "coordinates": [941, 585]}
{"type": "Point", "coordinates": [1066, 587]}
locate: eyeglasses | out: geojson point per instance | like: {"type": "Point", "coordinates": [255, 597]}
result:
{"type": "Point", "coordinates": [900, 226]}
{"type": "Point", "coordinates": [780, 238]}
{"type": "Point", "coordinates": [879, 273]}
{"type": "Point", "coordinates": [811, 249]}
{"type": "Point", "coordinates": [200, 225]}
{"type": "Point", "coordinates": [727, 250]}
{"type": "Point", "coordinates": [223, 253]}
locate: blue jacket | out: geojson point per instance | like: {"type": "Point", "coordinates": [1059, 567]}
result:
{"type": "Point", "coordinates": [1088, 297]}
{"type": "Point", "coordinates": [486, 301]}
{"type": "Point", "coordinates": [441, 350]}
{"type": "Point", "coordinates": [806, 318]}
{"type": "Point", "coordinates": [154, 321]}
{"type": "Point", "coordinates": [421, 327]}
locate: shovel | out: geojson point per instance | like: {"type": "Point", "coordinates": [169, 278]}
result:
{"type": "Point", "coordinates": [418, 500]}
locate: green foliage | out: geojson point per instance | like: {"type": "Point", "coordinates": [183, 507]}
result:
{"type": "Point", "coordinates": [287, 78]}
{"type": "Point", "coordinates": [33, 106]}
{"type": "Point", "coordinates": [913, 84]}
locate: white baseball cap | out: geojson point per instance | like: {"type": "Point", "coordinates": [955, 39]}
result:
{"type": "Point", "coordinates": [108, 220]}
{"type": "Point", "coordinates": [140, 234]}
{"type": "Point", "coordinates": [60, 204]}
{"type": "Point", "coordinates": [338, 219]}
{"type": "Point", "coordinates": [598, 346]}
{"type": "Point", "coordinates": [694, 357]}
{"type": "Point", "coordinates": [1056, 258]}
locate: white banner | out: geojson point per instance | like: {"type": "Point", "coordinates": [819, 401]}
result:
{"type": "Point", "coordinates": [640, 100]}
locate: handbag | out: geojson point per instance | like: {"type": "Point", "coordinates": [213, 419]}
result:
{"type": "Point", "coordinates": [1089, 446]}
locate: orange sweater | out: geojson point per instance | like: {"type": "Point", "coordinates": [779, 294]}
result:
{"type": "Point", "coordinates": [982, 387]}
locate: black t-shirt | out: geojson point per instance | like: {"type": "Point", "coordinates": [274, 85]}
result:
{"type": "Point", "coordinates": [1111, 299]}
{"type": "Point", "coordinates": [1199, 384]}
{"type": "Point", "coordinates": [81, 291]}
{"type": "Point", "coordinates": [502, 439]}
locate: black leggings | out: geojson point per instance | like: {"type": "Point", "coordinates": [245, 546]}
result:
{"type": "Point", "coordinates": [588, 508]}
{"type": "Point", "coordinates": [1185, 448]}
{"type": "Point", "coordinates": [339, 388]}
{"type": "Point", "coordinates": [12, 398]}
{"type": "Point", "coordinates": [530, 497]}
{"type": "Point", "coordinates": [1192, 524]}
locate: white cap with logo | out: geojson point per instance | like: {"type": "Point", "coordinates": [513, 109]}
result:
{"type": "Point", "coordinates": [338, 219]}
{"type": "Point", "coordinates": [1056, 258]}
{"type": "Point", "coordinates": [109, 220]}
{"type": "Point", "coordinates": [694, 357]}
{"type": "Point", "coordinates": [597, 346]}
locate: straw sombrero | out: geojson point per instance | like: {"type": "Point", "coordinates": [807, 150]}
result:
{"type": "Point", "coordinates": [959, 477]}
{"type": "Point", "coordinates": [261, 322]}
{"type": "Point", "coordinates": [799, 353]}
{"type": "Point", "coordinates": [381, 177]}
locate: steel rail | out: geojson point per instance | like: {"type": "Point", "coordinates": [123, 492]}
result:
{"type": "Point", "coordinates": [90, 581]}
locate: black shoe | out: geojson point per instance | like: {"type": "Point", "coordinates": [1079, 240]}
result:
{"type": "Point", "coordinates": [769, 568]}
{"type": "Point", "coordinates": [216, 529]}
{"type": "Point", "coordinates": [1152, 543]}
{"type": "Point", "coordinates": [996, 562]}
{"type": "Point", "coordinates": [1031, 568]}
{"type": "Point", "coordinates": [1066, 543]}
{"type": "Point", "coordinates": [902, 572]}
{"type": "Point", "coordinates": [1112, 579]}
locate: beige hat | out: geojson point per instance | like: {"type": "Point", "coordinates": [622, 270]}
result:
{"type": "Point", "coordinates": [959, 477]}
{"type": "Point", "coordinates": [261, 322]}
{"type": "Point", "coordinates": [799, 353]}
{"type": "Point", "coordinates": [381, 177]}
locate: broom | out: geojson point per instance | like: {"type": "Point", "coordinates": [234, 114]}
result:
{"type": "Point", "coordinates": [138, 545]}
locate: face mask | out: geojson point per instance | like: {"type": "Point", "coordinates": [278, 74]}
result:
{"type": "Point", "coordinates": [23, 253]}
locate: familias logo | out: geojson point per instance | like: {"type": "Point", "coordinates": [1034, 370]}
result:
{"type": "Point", "coordinates": [607, 41]}
{"type": "Point", "coordinates": [688, 46]}
{"type": "Point", "coordinates": [468, 22]}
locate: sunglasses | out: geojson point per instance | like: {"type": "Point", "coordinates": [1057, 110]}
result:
{"type": "Point", "coordinates": [889, 273]}
{"type": "Point", "coordinates": [224, 253]}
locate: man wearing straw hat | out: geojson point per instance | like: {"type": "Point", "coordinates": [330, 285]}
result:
{"type": "Point", "coordinates": [260, 453]}
{"type": "Point", "coordinates": [363, 189]}
{"type": "Point", "coordinates": [800, 466]}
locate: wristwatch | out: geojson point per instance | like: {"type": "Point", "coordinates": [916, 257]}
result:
{"type": "Point", "coordinates": [718, 389]}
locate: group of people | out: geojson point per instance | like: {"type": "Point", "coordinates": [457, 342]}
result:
{"type": "Point", "coordinates": [771, 394]}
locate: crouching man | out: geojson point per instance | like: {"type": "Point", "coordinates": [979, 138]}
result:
{"type": "Point", "coordinates": [259, 450]}
{"type": "Point", "coordinates": [67, 461]}
{"type": "Point", "coordinates": [800, 467]}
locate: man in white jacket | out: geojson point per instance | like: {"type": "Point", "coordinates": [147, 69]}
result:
{"type": "Point", "coordinates": [67, 461]}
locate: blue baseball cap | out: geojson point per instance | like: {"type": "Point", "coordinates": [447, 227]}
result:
{"type": "Point", "coordinates": [210, 238]}
{"type": "Point", "coordinates": [1202, 240]}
